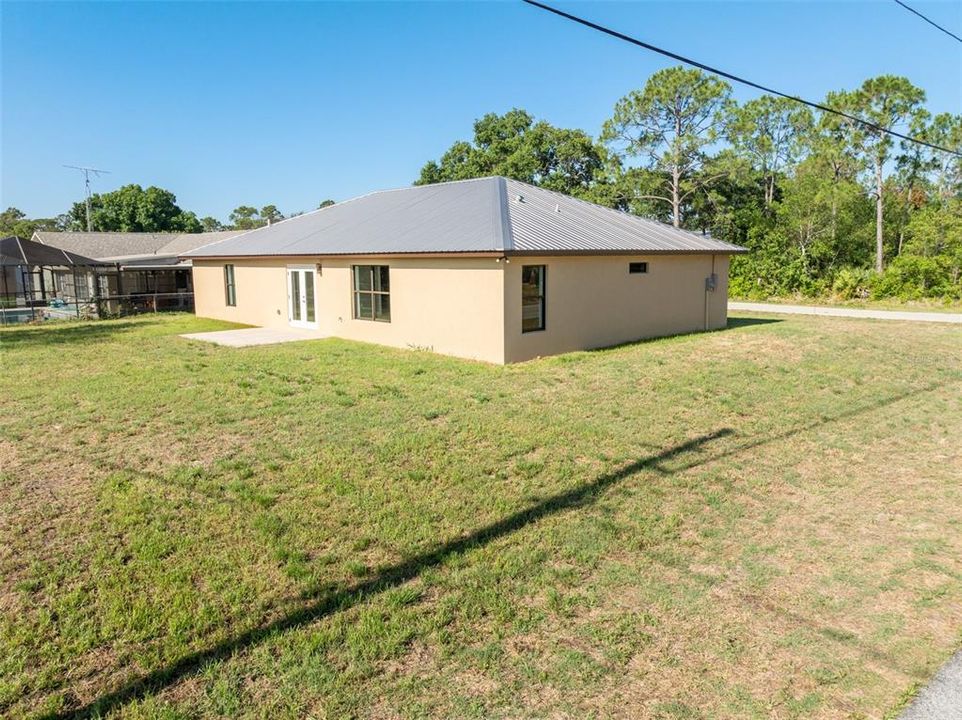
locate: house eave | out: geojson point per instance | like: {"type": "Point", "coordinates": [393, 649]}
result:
{"type": "Point", "coordinates": [637, 251]}
{"type": "Point", "coordinates": [336, 256]}
{"type": "Point", "coordinates": [478, 254]}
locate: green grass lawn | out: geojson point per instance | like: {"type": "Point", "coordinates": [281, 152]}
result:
{"type": "Point", "coordinates": [759, 522]}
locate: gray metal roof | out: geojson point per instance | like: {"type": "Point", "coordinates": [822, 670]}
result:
{"type": "Point", "coordinates": [546, 221]}
{"type": "Point", "coordinates": [112, 246]}
{"type": "Point", "coordinates": [491, 214]}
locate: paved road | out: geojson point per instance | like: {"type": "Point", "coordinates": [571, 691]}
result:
{"type": "Point", "coordinates": [955, 318]}
{"type": "Point", "coordinates": [941, 699]}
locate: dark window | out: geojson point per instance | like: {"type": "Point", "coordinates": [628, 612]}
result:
{"type": "Point", "coordinates": [372, 288]}
{"type": "Point", "coordinates": [229, 288]}
{"type": "Point", "coordinates": [532, 297]}
{"type": "Point", "coordinates": [637, 267]}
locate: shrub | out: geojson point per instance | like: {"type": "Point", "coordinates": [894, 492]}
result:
{"type": "Point", "coordinates": [852, 283]}
{"type": "Point", "coordinates": [911, 277]}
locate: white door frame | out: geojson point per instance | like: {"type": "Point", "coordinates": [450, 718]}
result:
{"type": "Point", "coordinates": [301, 300]}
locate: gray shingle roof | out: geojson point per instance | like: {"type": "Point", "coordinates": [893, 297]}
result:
{"type": "Point", "coordinates": [492, 214]}
{"type": "Point", "coordinates": [123, 245]}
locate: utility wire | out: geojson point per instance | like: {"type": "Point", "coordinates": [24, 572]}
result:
{"type": "Point", "coordinates": [930, 22]}
{"type": "Point", "coordinates": [735, 78]}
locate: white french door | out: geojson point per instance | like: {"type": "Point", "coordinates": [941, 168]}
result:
{"type": "Point", "coordinates": [301, 308]}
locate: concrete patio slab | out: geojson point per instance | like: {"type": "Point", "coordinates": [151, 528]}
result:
{"type": "Point", "coordinates": [248, 337]}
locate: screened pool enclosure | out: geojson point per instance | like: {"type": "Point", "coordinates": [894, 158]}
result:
{"type": "Point", "coordinates": [42, 282]}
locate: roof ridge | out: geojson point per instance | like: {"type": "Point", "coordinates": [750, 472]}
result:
{"type": "Point", "coordinates": [120, 232]}
{"type": "Point", "coordinates": [503, 221]}
{"type": "Point", "coordinates": [166, 236]}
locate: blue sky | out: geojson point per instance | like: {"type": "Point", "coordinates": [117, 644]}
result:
{"type": "Point", "coordinates": [291, 103]}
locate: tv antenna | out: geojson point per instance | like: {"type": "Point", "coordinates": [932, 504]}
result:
{"type": "Point", "coordinates": [86, 171]}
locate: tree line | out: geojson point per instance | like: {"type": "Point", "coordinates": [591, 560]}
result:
{"type": "Point", "coordinates": [827, 205]}
{"type": "Point", "coordinates": [132, 208]}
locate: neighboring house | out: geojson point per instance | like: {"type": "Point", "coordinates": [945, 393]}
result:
{"type": "Point", "coordinates": [139, 266]}
{"type": "Point", "coordinates": [492, 269]}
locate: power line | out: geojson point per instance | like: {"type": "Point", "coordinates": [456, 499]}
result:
{"type": "Point", "coordinates": [930, 22]}
{"type": "Point", "coordinates": [736, 78]}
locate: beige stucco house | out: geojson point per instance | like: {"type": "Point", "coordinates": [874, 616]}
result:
{"type": "Point", "coordinates": [490, 269]}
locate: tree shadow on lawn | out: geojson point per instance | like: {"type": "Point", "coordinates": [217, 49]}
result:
{"type": "Point", "coordinates": [68, 332]}
{"type": "Point", "coordinates": [406, 570]}
{"type": "Point", "coordinates": [388, 578]}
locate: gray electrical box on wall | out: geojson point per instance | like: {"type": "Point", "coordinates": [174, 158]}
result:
{"type": "Point", "coordinates": [711, 282]}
